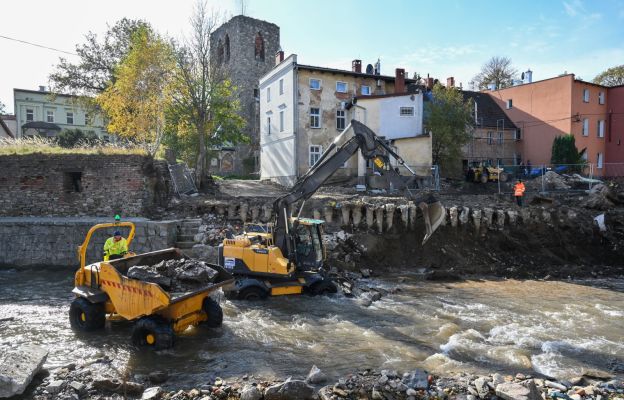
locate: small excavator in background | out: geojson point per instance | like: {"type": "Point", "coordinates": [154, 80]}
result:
{"type": "Point", "coordinates": [288, 255]}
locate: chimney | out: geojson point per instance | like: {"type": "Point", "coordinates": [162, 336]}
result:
{"type": "Point", "coordinates": [429, 82]}
{"type": "Point", "coordinates": [450, 82]}
{"type": "Point", "coordinates": [399, 81]}
{"type": "Point", "coordinates": [528, 76]}
{"type": "Point", "coordinates": [279, 57]}
{"type": "Point", "coordinates": [356, 66]}
{"type": "Point", "coordinates": [42, 88]}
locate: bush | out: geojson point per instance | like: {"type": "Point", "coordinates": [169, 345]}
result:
{"type": "Point", "coordinates": [73, 137]}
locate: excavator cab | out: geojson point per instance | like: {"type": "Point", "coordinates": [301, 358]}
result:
{"type": "Point", "coordinates": [308, 237]}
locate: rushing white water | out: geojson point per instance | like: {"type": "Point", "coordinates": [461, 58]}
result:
{"type": "Point", "coordinates": [553, 328]}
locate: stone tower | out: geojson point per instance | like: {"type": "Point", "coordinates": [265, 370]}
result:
{"type": "Point", "coordinates": [245, 47]}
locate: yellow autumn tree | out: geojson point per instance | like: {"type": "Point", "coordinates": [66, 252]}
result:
{"type": "Point", "coordinates": [136, 102]}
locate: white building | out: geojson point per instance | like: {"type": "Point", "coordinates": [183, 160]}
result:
{"type": "Point", "coordinates": [47, 114]}
{"type": "Point", "coordinates": [302, 110]}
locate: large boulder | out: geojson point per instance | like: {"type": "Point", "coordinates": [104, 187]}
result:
{"type": "Point", "coordinates": [206, 253]}
{"type": "Point", "coordinates": [250, 392]}
{"type": "Point", "coordinates": [417, 379]}
{"type": "Point", "coordinates": [147, 273]}
{"type": "Point", "coordinates": [19, 367]}
{"type": "Point", "coordinates": [516, 391]}
{"type": "Point", "coordinates": [600, 198]}
{"type": "Point", "coordinates": [289, 390]}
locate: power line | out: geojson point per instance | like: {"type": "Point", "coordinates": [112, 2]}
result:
{"type": "Point", "coordinates": [38, 45]}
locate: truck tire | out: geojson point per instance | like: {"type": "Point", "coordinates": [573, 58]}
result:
{"type": "Point", "coordinates": [484, 178]}
{"type": "Point", "coordinates": [323, 287]}
{"type": "Point", "coordinates": [213, 312]}
{"type": "Point", "coordinates": [252, 293]}
{"type": "Point", "coordinates": [86, 316]}
{"type": "Point", "coordinates": [153, 332]}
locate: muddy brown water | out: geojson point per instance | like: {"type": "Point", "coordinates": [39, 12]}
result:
{"type": "Point", "coordinates": [552, 328]}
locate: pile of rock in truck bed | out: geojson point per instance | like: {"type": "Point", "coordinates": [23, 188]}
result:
{"type": "Point", "coordinates": [183, 275]}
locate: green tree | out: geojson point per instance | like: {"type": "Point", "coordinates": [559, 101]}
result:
{"type": "Point", "coordinates": [449, 119]}
{"type": "Point", "coordinates": [73, 137]}
{"type": "Point", "coordinates": [203, 100]}
{"type": "Point", "coordinates": [497, 70]}
{"type": "Point", "coordinates": [564, 151]}
{"type": "Point", "coordinates": [137, 100]}
{"type": "Point", "coordinates": [97, 62]}
{"type": "Point", "coordinates": [611, 77]}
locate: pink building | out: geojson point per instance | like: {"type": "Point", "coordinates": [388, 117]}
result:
{"type": "Point", "coordinates": [545, 109]}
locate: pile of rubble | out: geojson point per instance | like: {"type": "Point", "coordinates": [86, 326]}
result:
{"type": "Point", "coordinates": [181, 275]}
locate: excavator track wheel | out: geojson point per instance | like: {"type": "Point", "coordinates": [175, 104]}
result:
{"type": "Point", "coordinates": [213, 312]}
{"type": "Point", "coordinates": [323, 287]}
{"type": "Point", "coordinates": [153, 332]}
{"type": "Point", "coordinates": [252, 293]}
{"type": "Point", "coordinates": [86, 316]}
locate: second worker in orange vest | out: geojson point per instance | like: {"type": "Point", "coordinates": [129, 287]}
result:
{"type": "Point", "coordinates": [519, 191]}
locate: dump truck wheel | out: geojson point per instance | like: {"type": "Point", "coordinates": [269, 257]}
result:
{"type": "Point", "coordinates": [213, 311]}
{"type": "Point", "coordinates": [153, 332]}
{"type": "Point", "coordinates": [483, 178]}
{"type": "Point", "coordinates": [323, 287]}
{"type": "Point", "coordinates": [86, 316]}
{"type": "Point", "coordinates": [252, 293]}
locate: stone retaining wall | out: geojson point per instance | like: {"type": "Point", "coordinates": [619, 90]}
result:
{"type": "Point", "coordinates": [383, 217]}
{"type": "Point", "coordinates": [81, 185]}
{"type": "Point", "coordinates": [54, 241]}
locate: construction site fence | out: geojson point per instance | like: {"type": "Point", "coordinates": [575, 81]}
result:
{"type": "Point", "coordinates": [545, 178]}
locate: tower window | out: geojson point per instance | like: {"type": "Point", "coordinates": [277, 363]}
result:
{"type": "Point", "coordinates": [259, 47]}
{"type": "Point", "coordinates": [227, 48]}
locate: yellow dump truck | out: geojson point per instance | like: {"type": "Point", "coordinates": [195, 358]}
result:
{"type": "Point", "coordinates": [103, 291]}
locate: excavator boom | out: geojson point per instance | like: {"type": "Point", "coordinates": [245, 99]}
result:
{"type": "Point", "coordinates": [341, 150]}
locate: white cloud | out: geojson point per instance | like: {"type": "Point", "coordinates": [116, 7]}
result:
{"type": "Point", "coordinates": [573, 8]}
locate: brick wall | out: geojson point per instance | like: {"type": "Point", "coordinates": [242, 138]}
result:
{"type": "Point", "coordinates": [81, 185]}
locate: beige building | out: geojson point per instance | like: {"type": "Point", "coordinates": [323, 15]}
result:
{"type": "Point", "coordinates": [302, 110]}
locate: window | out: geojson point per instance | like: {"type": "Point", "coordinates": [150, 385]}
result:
{"type": "Point", "coordinates": [500, 137]}
{"type": "Point", "coordinates": [341, 120]}
{"type": "Point", "coordinates": [227, 47]}
{"type": "Point", "coordinates": [87, 119]}
{"type": "Point", "coordinates": [315, 154]}
{"type": "Point", "coordinates": [72, 181]}
{"type": "Point", "coordinates": [509, 104]}
{"type": "Point", "coordinates": [268, 94]}
{"type": "Point", "coordinates": [585, 127]}
{"type": "Point", "coordinates": [256, 93]}
{"type": "Point", "coordinates": [315, 117]}
{"type": "Point", "coordinates": [70, 117]}
{"type": "Point", "coordinates": [586, 95]}
{"type": "Point", "coordinates": [315, 84]}
{"type": "Point", "coordinates": [490, 139]}
{"type": "Point", "coordinates": [406, 111]}
{"type": "Point", "coordinates": [599, 161]}
{"type": "Point", "coordinates": [341, 87]}
{"type": "Point", "coordinates": [281, 86]}
{"type": "Point", "coordinates": [601, 127]}
{"type": "Point", "coordinates": [259, 47]}
{"type": "Point", "coordinates": [366, 90]}
{"type": "Point", "coordinates": [281, 121]}
{"type": "Point", "coordinates": [268, 130]}
{"type": "Point", "coordinates": [50, 116]}
{"type": "Point", "coordinates": [517, 134]}
{"type": "Point", "coordinates": [30, 114]}
{"type": "Point", "coordinates": [601, 98]}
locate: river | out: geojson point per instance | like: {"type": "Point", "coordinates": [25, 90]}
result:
{"type": "Point", "coordinates": [552, 328]}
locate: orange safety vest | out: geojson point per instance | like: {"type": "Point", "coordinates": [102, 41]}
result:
{"type": "Point", "coordinates": [519, 189]}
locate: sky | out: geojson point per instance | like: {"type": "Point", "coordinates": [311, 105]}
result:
{"type": "Point", "coordinates": [442, 38]}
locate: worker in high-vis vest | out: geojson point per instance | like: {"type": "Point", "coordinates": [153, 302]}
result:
{"type": "Point", "coordinates": [115, 247]}
{"type": "Point", "coordinates": [519, 191]}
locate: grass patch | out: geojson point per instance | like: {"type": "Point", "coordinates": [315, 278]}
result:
{"type": "Point", "coordinates": [38, 145]}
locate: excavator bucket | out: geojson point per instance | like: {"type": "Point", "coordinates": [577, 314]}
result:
{"type": "Point", "coordinates": [433, 214]}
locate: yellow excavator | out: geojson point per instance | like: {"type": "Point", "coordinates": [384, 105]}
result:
{"type": "Point", "coordinates": [288, 256]}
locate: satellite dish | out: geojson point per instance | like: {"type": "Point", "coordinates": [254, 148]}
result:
{"type": "Point", "coordinates": [369, 69]}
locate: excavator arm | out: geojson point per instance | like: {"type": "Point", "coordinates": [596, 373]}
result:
{"type": "Point", "coordinates": [341, 150]}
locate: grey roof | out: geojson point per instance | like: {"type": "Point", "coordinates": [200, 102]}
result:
{"type": "Point", "coordinates": [488, 112]}
{"type": "Point", "coordinates": [41, 125]}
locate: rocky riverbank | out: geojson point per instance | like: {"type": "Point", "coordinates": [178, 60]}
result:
{"type": "Point", "coordinates": [96, 379]}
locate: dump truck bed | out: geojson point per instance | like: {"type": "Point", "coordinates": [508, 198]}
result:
{"type": "Point", "coordinates": [133, 298]}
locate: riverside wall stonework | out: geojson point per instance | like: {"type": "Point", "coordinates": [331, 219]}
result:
{"type": "Point", "coordinates": [82, 185]}
{"type": "Point", "coordinates": [53, 241]}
